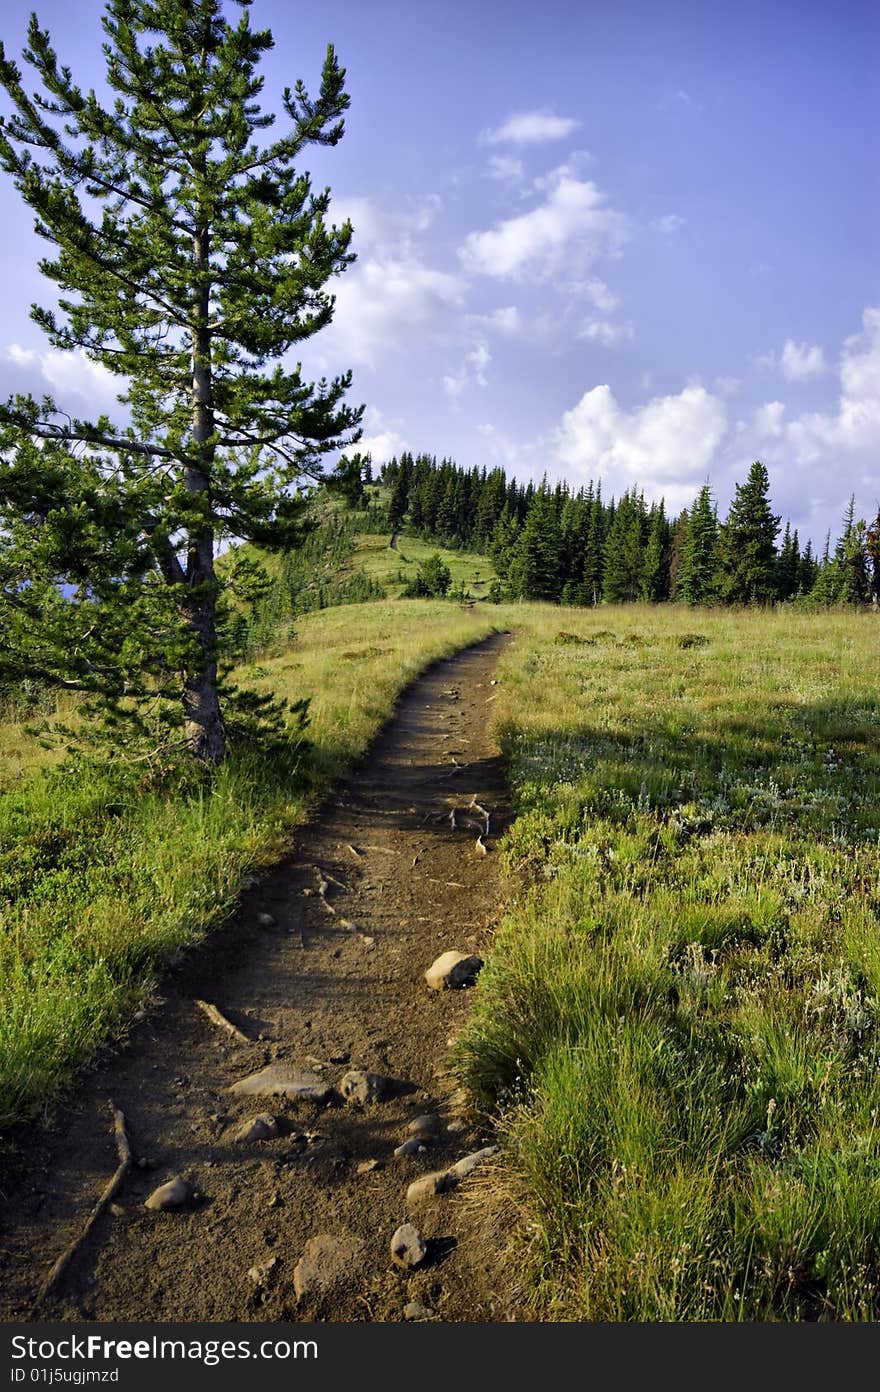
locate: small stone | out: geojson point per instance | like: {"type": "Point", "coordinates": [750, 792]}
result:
{"type": "Point", "coordinates": [425, 1127]}
{"type": "Point", "coordinates": [266, 920]}
{"type": "Point", "coordinates": [408, 1247]}
{"type": "Point", "coordinates": [284, 1080]}
{"type": "Point", "coordinates": [117, 1210]}
{"type": "Point", "coordinates": [262, 1274]}
{"type": "Point", "coordinates": [327, 1261]}
{"type": "Point", "coordinates": [174, 1194]}
{"type": "Point", "coordinates": [146, 1163]}
{"type": "Point", "coordinates": [368, 942]}
{"type": "Point", "coordinates": [361, 1087]}
{"type": "Point", "coordinates": [429, 1186]}
{"type": "Point", "coordinates": [456, 1128]}
{"type": "Point", "coordinates": [411, 1147]}
{"type": "Point", "coordinates": [259, 1128]}
{"type": "Point", "coordinates": [453, 970]}
{"type": "Point", "coordinates": [416, 1311]}
{"type": "Point", "coordinates": [465, 1166]}
{"type": "Point", "coordinates": [368, 1166]}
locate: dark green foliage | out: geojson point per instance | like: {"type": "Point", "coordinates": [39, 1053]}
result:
{"type": "Point", "coordinates": [697, 578]}
{"type": "Point", "coordinates": [188, 261]}
{"type": "Point", "coordinates": [625, 550]}
{"type": "Point", "coordinates": [535, 571]}
{"type": "Point", "coordinates": [432, 580]}
{"type": "Point", "coordinates": [747, 543]}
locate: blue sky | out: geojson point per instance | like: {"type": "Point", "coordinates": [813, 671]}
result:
{"type": "Point", "coordinates": [634, 241]}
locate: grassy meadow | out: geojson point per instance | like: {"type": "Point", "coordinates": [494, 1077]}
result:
{"type": "Point", "coordinates": [104, 880]}
{"type": "Point", "coordinates": [394, 568]}
{"type": "Point", "coordinates": [678, 1024]}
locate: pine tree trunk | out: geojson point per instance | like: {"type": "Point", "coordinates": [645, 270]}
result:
{"type": "Point", "coordinates": [204, 728]}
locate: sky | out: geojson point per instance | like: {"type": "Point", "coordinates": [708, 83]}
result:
{"type": "Point", "coordinates": [634, 240]}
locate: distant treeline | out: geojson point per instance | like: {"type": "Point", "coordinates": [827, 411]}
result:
{"type": "Point", "coordinates": [549, 543]}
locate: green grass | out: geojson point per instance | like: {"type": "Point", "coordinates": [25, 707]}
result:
{"type": "Point", "coordinates": [105, 880]}
{"type": "Point", "coordinates": [394, 568]}
{"type": "Point", "coordinates": [678, 1024]}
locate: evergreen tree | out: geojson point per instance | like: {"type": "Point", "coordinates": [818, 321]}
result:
{"type": "Point", "coordinates": [593, 568]}
{"type": "Point", "coordinates": [655, 572]}
{"type": "Point", "coordinates": [747, 543]}
{"type": "Point", "coordinates": [872, 549]}
{"type": "Point", "coordinates": [697, 578]}
{"type": "Point", "coordinates": [189, 261]}
{"type": "Point", "coordinates": [534, 567]}
{"type": "Point", "coordinates": [624, 551]}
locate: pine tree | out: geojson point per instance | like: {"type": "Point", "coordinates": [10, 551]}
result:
{"type": "Point", "coordinates": [747, 543]}
{"type": "Point", "coordinates": [655, 572]}
{"type": "Point", "coordinates": [698, 566]}
{"type": "Point", "coordinates": [534, 567]}
{"type": "Point", "coordinates": [624, 551]}
{"type": "Point", "coordinates": [189, 261]}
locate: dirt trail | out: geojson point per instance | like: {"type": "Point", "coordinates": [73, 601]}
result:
{"type": "Point", "coordinates": [327, 990]}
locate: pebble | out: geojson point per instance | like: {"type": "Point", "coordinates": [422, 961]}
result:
{"type": "Point", "coordinates": [453, 970]}
{"type": "Point", "coordinates": [462, 1168]}
{"type": "Point", "coordinates": [259, 1128]}
{"type": "Point", "coordinates": [368, 1166]}
{"type": "Point", "coordinates": [429, 1186]}
{"type": "Point", "coordinates": [425, 1127]}
{"type": "Point", "coordinates": [408, 1248]}
{"type": "Point", "coordinates": [455, 1128]}
{"type": "Point", "coordinates": [284, 1080]}
{"type": "Point", "coordinates": [261, 1275]}
{"type": "Point", "coordinates": [414, 1146]}
{"type": "Point", "coordinates": [266, 920]}
{"type": "Point", "coordinates": [416, 1311]}
{"type": "Point", "coordinates": [360, 1087]}
{"type": "Point", "coordinates": [171, 1195]}
{"type": "Point", "coordinates": [326, 1261]}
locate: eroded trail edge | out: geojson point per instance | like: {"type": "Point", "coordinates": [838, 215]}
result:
{"type": "Point", "coordinates": [320, 978]}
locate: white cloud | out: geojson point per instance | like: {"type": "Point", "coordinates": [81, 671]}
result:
{"type": "Point", "coordinates": [571, 228]}
{"type": "Point", "coordinates": [664, 447]}
{"type": "Point", "coordinates": [798, 362]}
{"type": "Point", "coordinates": [669, 223]}
{"type": "Point", "coordinates": [505, 167]}
{"type": "Point", "coordinates": [598, 293]}
{"type": "Point", "coordinates": [506, 320]}
{"type": "Point", "coordinates": [66, 374]}
{"type": "Point", "coordinates": [384, 301]}
{"type": "Point", "coordinates": [530, 128]}
{"type": "Point", "coordinates": [381, 439]}
{"type": "Point", "coordinates": [768, 419]}
{"type": "Point", "coordinates": [472, 371]}
{"type": "Point", "coordinates": [604, 332]}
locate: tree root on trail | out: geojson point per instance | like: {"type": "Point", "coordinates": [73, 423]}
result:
{"type": "Point", "coordinates": [123, 1149]}
{"type": "Point", "coordinates": [221, 1022]}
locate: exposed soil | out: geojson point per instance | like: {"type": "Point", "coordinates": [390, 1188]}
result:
{"type": "Point", "coordinates": [334, 983]}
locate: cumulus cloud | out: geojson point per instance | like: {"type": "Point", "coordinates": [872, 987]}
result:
{"type": "Point", "coordinates": [472, 371]}
{"type": "Point", "coordinates": [65, 375]}
{"type": "Point", "coordinates": [505, 320]}
{"type": "Point", "coordinates": [381, 439]}
{"type": "Point", "coordinates": [605, 332]}
{"type": "Point", "coordinates": [384, 300]}
{"type": "Point", "coordinates": [798, 362]}
{"type": "Point", "coordinates": [530, 128]}
{"type": "Point", "coordinates": [569, 230]}
{"type": "Point", "coordinates": [664, 447]}
{"type": "Point", "coordinates": [505, 167]}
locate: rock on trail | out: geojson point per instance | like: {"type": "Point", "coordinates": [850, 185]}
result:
{"type": "Point", "coordinates": [297, 1201]}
